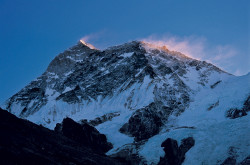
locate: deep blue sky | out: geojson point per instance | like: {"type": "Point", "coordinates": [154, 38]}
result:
{"type": "Point", "coordinates": [33, 32]}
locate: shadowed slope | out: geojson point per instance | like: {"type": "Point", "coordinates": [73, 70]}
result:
{"type": "Point", "coordinates": [22, 142]}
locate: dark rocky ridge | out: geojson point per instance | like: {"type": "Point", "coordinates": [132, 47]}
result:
{"type": "Point", "coordinates": [22, 142]}
{"type": "Point", "coordinates": [175, 155]}
{"type": "Point", "coordinates": [84, 134]}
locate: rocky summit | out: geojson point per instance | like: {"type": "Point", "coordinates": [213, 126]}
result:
{"type": "Point", "coordinates": [139, 94]}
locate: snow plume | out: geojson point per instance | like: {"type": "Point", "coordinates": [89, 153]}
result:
{"type": "Point", "coordinates": [87, 44]}
{"type": "Point", "coordinates": [191, 47]}
{"type": "Point", "coordinates": [198, 48]}
{"type": "Point", "coordinates": [91, 38]}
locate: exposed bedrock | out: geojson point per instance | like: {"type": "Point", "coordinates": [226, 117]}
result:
{"type": "Point", "coordinates": [84, 134]}
{"type": "Point", "coordinates": [235, 113]}
{"type": "Point", "coordinates": [146, 122]}
{"type": "Point", "coordinates": [175, 155]}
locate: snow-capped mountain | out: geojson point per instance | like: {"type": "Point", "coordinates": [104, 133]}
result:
{"type": "Point", "coordinates": [138, 95]}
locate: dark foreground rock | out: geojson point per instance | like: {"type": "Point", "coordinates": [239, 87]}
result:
{"type": "Point", "coordinates": [84, 134]}
{"type": "Point", "coordinates": [175, 155]}
{"type": "Point", "coordinates": [22, 142]}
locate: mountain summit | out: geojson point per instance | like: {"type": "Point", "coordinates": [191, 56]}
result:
{"type": "Point", "coordinates": [138, 94]}
{"type": "Point", "coordinates": [87, 44]}
{"type": "Point", "coordinates": [140, 73]}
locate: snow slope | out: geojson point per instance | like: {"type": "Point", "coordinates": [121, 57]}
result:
{"type": "Point", "coordinates": [216, 137]}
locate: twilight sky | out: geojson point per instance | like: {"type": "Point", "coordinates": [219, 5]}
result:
{"type": "Point", "coordinates": [33, 32]}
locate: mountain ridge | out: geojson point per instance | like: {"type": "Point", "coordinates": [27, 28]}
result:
{"type": "Point", "coordinates": [71, 59]}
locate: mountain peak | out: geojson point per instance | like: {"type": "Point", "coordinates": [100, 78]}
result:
{"type": "Point", "coordinates": [147, 48]}
{"type": "Point", "coordinates": [136, 91]}
{"type": "Point", "coordinates": [86, 44]}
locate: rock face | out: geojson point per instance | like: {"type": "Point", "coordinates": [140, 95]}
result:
{"type": "Point", "coordinates": [246, 106]}
{"type": "Point", "coordinates": [84, 134]}
{"type": "Point", "coordinates": [235, 113]}
{"type": "Point", "coordinates": [22, 142]}
{"type": "Point", "coordinates": [146, 122]}
{"type": "Point", "coordinates": [175, 155]}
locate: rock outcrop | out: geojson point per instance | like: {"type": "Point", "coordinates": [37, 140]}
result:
{"type": "Point", "coordinates": [84, 134]}
{"type": "Point", "coordinates": [235, 113]}
{"type": "Point", "coordinates": [146, 122]}
{"type": "Point", "coordinates": [101, 119]}
{"type": "Point", "coordinates": [175, 155]}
